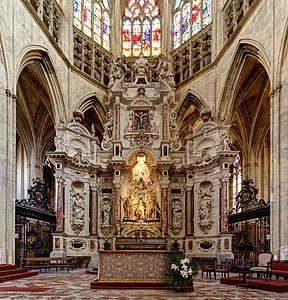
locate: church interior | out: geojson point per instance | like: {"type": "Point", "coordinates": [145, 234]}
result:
{"type": "Point", "coordinates": [133, 128]}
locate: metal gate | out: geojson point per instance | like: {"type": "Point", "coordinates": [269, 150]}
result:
{"type": "Point", "coordinates": [35, 221]}
{"type": "Point", "coordinates": [249, 221]}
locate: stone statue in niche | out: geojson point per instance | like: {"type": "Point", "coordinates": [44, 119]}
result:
{"type": "Point", "coordinates": [176, 216]}
{"type": "Point", "coordinates": [141, 120]}
{"type": "Point", "coordinates": [174, 132]}
{"type": "Point", "coordinates": [205, 209]}
{"type": "Point", "coordinates": [106, 212]}
{"type": "Point", "coordinates": [78, 207]}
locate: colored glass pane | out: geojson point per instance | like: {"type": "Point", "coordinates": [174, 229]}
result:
{"type": "Point", "coordinates": [105, 4]}
{"type": "Point", "coordinates": [97, 23]}
{"type": "Point", "coordinates": [143, 36]}
{"type": "Point", "coordinates": [177, 4]}
{"type": "Point", "coordinates": [77, 24]}
{"type": "Point", "coordinates": [196, 16]}
{"type": "Point", "coordinates": [87, 13]}
{"type": "Point", "coordinates": [186, 22]}
{"type": "Point", "coordinates": [177, 29]}
{"type": "Point", "coordinates": [136, 37]}
{"type": "Point", "coordinates": [77, 9]}
{"type": "Point", "coordinates": [93, 14]}
{"type": "Point", "coordinates": [146, 37]}
{"type": "Point", "coordinates": [207, 15]}
{"type": "Point", "coordinates": [156, 38]}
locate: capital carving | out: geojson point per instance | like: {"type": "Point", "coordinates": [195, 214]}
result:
{"type": "Point", "coordinates": [60, 179]}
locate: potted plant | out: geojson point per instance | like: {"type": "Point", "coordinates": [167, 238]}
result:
{"type": "Point", "coordinates": [180, 272]}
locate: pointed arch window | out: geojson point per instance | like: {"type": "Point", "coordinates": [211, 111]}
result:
{"type": "Point", "coordinates": [141, 28]}
{"type": "Point", "coordinates": [189, 17]}
{"type": "Point", "coordinates": [93, 18]}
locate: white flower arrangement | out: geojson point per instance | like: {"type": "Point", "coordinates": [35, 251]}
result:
{"type": "Point", "coordinates": [181, 272]}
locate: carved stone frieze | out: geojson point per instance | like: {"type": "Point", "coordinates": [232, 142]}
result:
{"type": "Point", "coordinates": [141, 139]}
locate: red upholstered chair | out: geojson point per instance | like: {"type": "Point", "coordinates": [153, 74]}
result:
{"type": "Point", "coordinates": [224, 268]}
{"type": "Point", "coordinates": [263, 266]}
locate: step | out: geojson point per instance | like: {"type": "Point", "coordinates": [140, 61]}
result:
{"type": "Point", "coordinates": [18, 276]}
{"type": "Point", "coordinates": [13, 271]}
{"type": "Point", "coordinates": [7, 267]}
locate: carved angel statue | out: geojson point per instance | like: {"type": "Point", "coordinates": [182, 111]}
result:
{"type": "Point", "coordinates": [163, 66]}
{"type": "Point", "coordinates": [224, 141]}
{"type": "Point", "coordinates": [119, 67]}
{"type": "Point", "coordinates": [108, 127]}
{"type": "Point", "coordinates": [173, 126]}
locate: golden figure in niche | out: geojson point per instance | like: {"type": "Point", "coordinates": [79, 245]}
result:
{"type": "Point", "coordinates": [141, 171]}
{"type": "Point", "coordinates": [141, 203]}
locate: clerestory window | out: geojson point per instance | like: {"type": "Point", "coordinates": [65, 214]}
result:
{"type": "Point", "coordinates": [93, 18]}
{"type": "Point", "coordinates": [190, 16]}
{"type": "Point", "coordinates": [141, 28]}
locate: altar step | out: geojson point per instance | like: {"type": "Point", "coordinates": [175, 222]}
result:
{"type": "Point", "coordinates": [10, 272]}
{"type": "Point", "coordinates": [278, 286]}
{"type": "Point", "coordinates": [134, 285]}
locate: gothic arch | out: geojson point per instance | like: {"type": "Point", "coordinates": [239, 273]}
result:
{"type": "Point", "coordinates": [39, 54]}
{"type": "Point", "coordinates": [188, 112]}
{"type": "Point", "coordinates": [94, 113]}
{"type": "Point", "coordinates": [39, 108]}
{"type": "Point", "coordinates": [283, 55]}
{"type": "Point", "coordinates": [245, 102]}
{"type": "Point", "coordinates": [246, 49]}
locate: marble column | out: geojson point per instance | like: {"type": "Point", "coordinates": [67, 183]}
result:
{"type": "Point", "coordinates": [224, 205]}
{"type": "Point", "coordinates": [164, 209]}
{"type": "Point", "coordinates": [117, 209]}
{"type": "Point", "coordinates": [59, 215]}
{"type": "Point", "coordinates": [189, 211]}
{"type": "Point", "coordinates": [277, 224]}
{"type": "Point", "coordinates": [94, 210]}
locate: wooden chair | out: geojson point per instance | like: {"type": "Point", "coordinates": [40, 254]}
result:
{"type": "Point", "coordinates": [224, 268]}
{"type": "Point", "coordinates": [263, 266]}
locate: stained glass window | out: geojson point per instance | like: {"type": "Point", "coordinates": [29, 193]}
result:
{"type": "Point", "coordinates": [93, 18]}
{"type": "Point", "coordinates": [141, 28]}
{"type": "Point", "coordinates": [190, 16]}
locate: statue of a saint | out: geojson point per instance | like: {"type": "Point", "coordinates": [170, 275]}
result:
{"type": "Point", "coordinates": [106, 210]}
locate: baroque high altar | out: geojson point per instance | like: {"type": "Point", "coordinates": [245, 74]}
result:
{"type": "Point", "coordinates": [141, 187]}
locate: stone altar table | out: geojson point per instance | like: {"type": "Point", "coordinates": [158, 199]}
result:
{"type": "Point", "coordinates": [130, 269]}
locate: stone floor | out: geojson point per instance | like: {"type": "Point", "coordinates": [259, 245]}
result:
{"type": "Point", "coordinates": [76, 285]}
